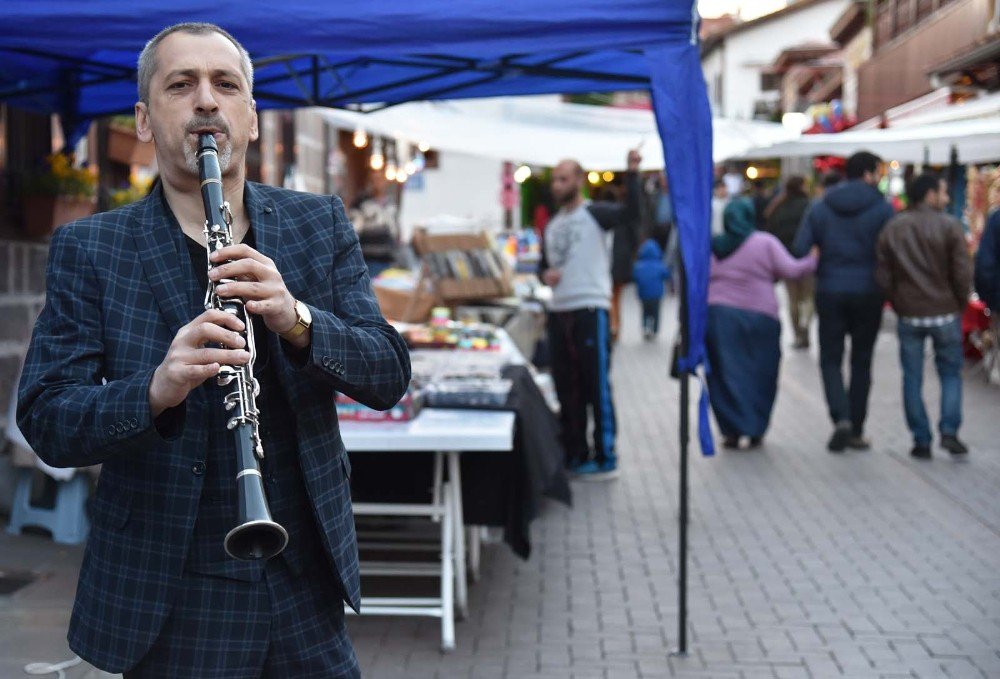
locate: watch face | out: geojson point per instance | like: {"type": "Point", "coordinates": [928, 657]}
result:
{"type": "Point", "coordinates": [304, 313]}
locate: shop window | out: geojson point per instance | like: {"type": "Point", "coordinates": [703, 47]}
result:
{"type": "Point", "coordinates": [924, 9]}
{"type": "Point", "coordinates": [904, 17]}
{"type": "Point", "coordinates": [770, 82]}
{"type": "Point", "coordinates": [885, 22]}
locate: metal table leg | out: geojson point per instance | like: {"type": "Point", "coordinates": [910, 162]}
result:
{"type": "Point", "coordinates": [438, 480]}
{"type": "Point", "coordinates": [475, 542]}
{"type": "Point", "coordinates": [455, 485]}
{"type": "Point", "coordinates": [447, 575]}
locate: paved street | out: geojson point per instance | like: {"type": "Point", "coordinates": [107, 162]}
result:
{"type": "Point", "coordinates": [803, 563]}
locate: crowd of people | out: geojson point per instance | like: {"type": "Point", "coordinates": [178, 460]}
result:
{"type": "Point", "coordinates": [844, 255]}
{"type": "Point", "coordinates": [863, 256]}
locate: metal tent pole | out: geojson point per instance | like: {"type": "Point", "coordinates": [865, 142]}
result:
{"type": "Point", "coordinates": [685, 436]}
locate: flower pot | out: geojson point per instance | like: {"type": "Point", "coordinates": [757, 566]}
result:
{"type": "Point", "coordinates": [44, 214]}
{"type": "Point", "coordinates": [125, 147]}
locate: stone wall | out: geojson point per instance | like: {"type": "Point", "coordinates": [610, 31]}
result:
{"type": "Point", "coordinates": [22, 293]}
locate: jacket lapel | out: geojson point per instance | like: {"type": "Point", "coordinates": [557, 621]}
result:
{"type": "Point", "coordinates": [265, 223]}
{"type": "Point", "coordinates": [160, 244]}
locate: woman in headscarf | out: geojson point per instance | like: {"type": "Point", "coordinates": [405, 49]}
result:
{"type": "Point", "coordinates": [744, 333]}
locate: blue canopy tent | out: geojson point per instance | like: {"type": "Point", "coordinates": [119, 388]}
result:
{"type": "Point", "coordinates": [78, 59]}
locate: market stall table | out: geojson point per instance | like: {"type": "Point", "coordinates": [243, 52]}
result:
{"type": "Point", "coordinates": [446, 433]}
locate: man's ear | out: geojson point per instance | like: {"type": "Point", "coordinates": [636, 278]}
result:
{"type": "Point", "coordinates": [142, 129]}
{"type": "Point", "coordinates": [254, 131]}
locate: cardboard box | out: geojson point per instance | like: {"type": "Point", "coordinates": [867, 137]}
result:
{"type": "Point", "coordinates": [411, 305]}
{"type": "Point", "coordinates": [463, 283]}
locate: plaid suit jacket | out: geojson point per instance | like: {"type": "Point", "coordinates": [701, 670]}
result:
{"type": "Point", "coordinates": [114, 302]}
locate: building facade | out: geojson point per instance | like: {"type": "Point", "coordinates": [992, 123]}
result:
{"type": "Point", "coordinates": [910, 39]}
{"type": "Point", "coordinates": [736, 60]}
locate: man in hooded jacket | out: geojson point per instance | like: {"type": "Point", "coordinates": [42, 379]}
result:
{"type": "Point", "coordinates": [845, 224]}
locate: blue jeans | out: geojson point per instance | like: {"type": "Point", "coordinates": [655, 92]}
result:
{"type": "Point", "coordinates": [947, 343]}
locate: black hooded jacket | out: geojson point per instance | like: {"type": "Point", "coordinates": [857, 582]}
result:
{"type": "Point", "coordinates": [845, 224]}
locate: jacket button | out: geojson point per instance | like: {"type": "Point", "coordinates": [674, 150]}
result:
{"type": "Point", "coordinates": [198, 468]}
{"type": "Point", "coordinates": [268, 210]}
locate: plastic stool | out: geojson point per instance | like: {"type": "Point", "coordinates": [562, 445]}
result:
{"type": "Point", "coordinates": [67, 521]}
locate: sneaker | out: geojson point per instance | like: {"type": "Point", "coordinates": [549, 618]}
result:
{"type": "Point", "coordinates": [756, 441]}
{"type": "Point", "coordinates": [731, 442]}
{"type": "Point", "coordinates": [951, 443]}
{"type": "Point", "coordinates": [858, 443]}
{"type": "Point", "coordinates": [596, 471]}
{"type": "Point", "coordinates": [841, 436]}
{"type": "Point", "coordinates": [921, 451]}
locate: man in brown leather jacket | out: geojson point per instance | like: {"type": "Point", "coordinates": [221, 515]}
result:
{"type": "Point", "coordinates": [926, 272]}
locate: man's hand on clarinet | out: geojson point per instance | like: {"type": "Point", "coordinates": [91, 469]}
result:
{"type": "Point", "coordinates": [258, 283]}
{"type": "Point", "coordinates": [199, 349]}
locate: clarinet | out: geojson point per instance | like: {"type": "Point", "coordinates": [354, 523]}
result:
{"type": "Point", "coordinates": [256, 535]}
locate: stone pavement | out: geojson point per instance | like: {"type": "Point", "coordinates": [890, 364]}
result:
{"type": "Point", "coordinates": [802, 563]}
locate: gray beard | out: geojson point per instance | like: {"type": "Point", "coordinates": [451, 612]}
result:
{"type": "Point", "coordinates": [225, 157]}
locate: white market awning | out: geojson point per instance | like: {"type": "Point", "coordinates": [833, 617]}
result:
{"type": "Point", "coordinates": [975, 140]}
{"type": "Point", "coordinates": [543, 131]}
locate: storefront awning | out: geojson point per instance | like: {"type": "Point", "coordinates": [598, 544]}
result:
{"type": "Point", "coordinates": [543, 131]}
{"type": "Point", "coordinates": [974, 141]}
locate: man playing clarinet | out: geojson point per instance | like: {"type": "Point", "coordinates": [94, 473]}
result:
{"type": "Point", "coordinates": [123, 371]}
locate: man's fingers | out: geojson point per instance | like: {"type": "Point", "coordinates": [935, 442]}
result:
{"type": "Point", "coordinates": [207, 356]}
{"type": "Point", "coordinates": [245, 269]}
{"type": "Point", "coordinates": [239, 251]}
{"type": "Point", "coordinates": [200, 373]}
{"type": "Point", "coordinates": [245, 290]}
{"type": "Point", "coordinates": [220, 318]}
{"type": "Point", "coordinates": [211, 333]}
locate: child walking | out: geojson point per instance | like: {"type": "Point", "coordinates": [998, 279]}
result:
{"type": "Point", "coordinates": [649, 272]}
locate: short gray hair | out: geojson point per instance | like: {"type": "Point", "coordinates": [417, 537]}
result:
{"type": "Point", "coordinates": [147, 58]}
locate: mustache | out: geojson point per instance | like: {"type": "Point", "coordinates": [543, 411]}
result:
{"type": "Point", "coordinates": [201, 122]}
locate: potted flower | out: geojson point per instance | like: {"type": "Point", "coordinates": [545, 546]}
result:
{"type": "Point", "coordinates": [124, 146]}
{"type": "Point", "coordinates": [137, 189]}
{"type": "Point", "coordinates": [57, 195]}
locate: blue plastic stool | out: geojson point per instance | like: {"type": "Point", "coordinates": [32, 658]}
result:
{"type": "Point", "coordinates": [67, 521]}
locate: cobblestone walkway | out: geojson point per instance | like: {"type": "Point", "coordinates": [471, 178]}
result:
{"type": "Point", "coordinates": [802, 563]}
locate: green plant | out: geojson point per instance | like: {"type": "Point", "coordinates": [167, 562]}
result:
{"type": "Point", "coordinates": [60, 177]}
{"type": "Point", "coordinates": [136, 190]}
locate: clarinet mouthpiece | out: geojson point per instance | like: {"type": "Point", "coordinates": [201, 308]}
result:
{"type": "Point", "coordinates": [206, 142]}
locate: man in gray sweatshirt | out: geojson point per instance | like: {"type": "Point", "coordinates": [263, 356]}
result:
{"type": "Point", "coordinates": [576, 265]}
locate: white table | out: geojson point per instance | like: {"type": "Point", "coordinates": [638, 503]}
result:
{"type": "Point", "coordinates": [446, 433]}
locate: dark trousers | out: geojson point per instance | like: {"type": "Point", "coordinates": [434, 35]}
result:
{"type": "Point", "coordinates": [857, 316]}
{"type": "Point", "coordinates": [580, 344]}
{"type": "Point", "coordinates": [651, 315]}
{"type": "Point", "coordinates": [281, 626]}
